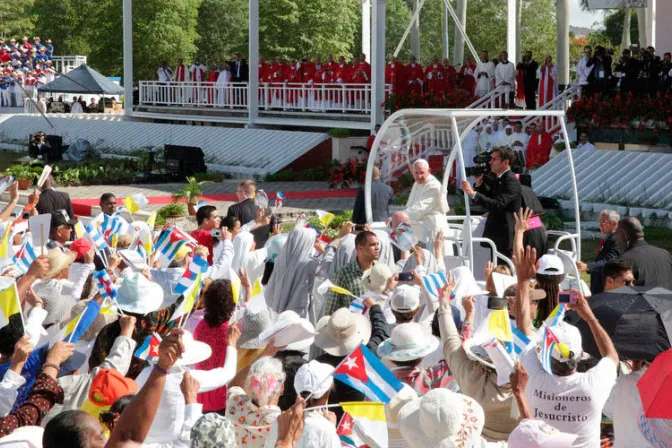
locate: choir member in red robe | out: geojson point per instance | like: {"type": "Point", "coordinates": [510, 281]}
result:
{"type": "Point", "coordinates": [293, 79]}
{"type": "Point", "coordinates": [435, 76]}
{"type": "Point", "coordinates": [539, 146]}
{"type": "Point", "coordinates": [467, 72]}
{"type": "Point", "coordinates": [414, 76]}
{"type": "Point", "coordinates": [394, 75]}
{"type": "Point", "coordinates": [451, 75]}
{"type": "Point", "coordinates": [213, 75]}
{"type": "Point", "coordinates": [181, 76]}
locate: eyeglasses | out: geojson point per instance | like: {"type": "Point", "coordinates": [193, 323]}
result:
{"type": "Point", "coordinates": [629, 282]}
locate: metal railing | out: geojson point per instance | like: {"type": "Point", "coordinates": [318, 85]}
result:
{"type": "Point", "coordinates": [307, 97]}
{"type": "Point", "coordinates": [65, 64]}
{"type": "Point", "coordinates": [493, 100]}
{"type": "Point", "coordinates": [562, 101]}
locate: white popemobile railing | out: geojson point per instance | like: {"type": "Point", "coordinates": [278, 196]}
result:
{"type": "Point", "coordinates": [399, 129]}
{"type": "Point", "coordinates": [65, 64]}
{"type": "Point", "coordinates": [355, 98]}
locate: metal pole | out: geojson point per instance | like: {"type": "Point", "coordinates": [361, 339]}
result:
{"type": "Point", "coordinates": [128, 57]}
{"type": "Point", "coordinates": [460, 166]}
{"type": "Point", "coordinates": [459, 26]}
{"type": "Point", "coordinates": [253, 83]}
{"type": "Point", "coordinates": [446, 33]}
{"type": "Point", "coordinates": [415, 33]}
{"type": "Point", "coordinates": [575, 188]}
{"type": "Point", "coordinates": [378, 63]}
{"type": "Point", "coordinates": [414, 17]}
{"type": "Point", "coordinates": [460, 35]}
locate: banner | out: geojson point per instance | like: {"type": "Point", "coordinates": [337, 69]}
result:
{"type": "Point", "coordinates": [615, 4]}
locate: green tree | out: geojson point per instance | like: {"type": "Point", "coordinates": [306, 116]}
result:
{"type": "Point", "coordinates": [65, 22]}
{"type": "Point", "coordinates": [612, 27]}
{"type": "Point", "coordinates": [327, 26]}
{"type": "Point", "coordinates": [220, 42]}
{"type": "Point", "coordinates": [278, 23]}
{"type": "Point", "coordinates": [17, 19]}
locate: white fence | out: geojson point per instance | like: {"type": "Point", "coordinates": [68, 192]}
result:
{"type": "Point", "coordinates": [65, 64]}
{"type": "Point", "coordinates": [355, 98]}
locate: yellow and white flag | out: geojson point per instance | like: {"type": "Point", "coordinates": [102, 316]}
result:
{"type": "Point", "coordinates": [9, 300]}
{"type": "Point", "coordinates": [191, 296]}
{"type": "Point", "coordinates": [325, 217]}
{"type": "Point", "coordinates": [151, 220]}
{"type": "Point", "coordinates": [135, 202]}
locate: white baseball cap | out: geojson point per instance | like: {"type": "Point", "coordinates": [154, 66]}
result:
{"type": "Point", "coordinates": [405, 298]}
{"type": "Point", "coordinates": [550, 264]}
{"type": "Point", "coordinates": [570, 336]}
{"type": "Point", "coordinates": [314, 377]}
{"type": "Point", "coordinates": [537, 433]}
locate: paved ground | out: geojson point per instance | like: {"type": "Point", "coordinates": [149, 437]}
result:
{"type": "Point", "coordinates": [290, 208]}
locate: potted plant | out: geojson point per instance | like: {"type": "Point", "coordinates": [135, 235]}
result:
{"type": "Point", "coordinates": [171, 211]}
{"type": "Point", "coordinates": [190, 192]}
{"type": "Point", "coordinates": [24, 174]}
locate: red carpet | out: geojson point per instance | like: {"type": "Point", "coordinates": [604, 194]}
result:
{"type": "Point", "coordinates": [82, 207]}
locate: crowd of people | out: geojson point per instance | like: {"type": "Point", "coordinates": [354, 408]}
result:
{"type": "Point", "coordinates": [241, 334]}
{"type": "Point", "coordinates": [25, 67]}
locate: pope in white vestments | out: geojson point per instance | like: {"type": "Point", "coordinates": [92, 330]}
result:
{"type": "Point", "coordinates": [426, 204]}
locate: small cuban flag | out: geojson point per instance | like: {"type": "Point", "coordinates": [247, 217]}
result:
{"type": "Point", "coordinates": [434, 282]}
{"type": "Point", "coordinates": [25, 257]}
{"type": "Point", "coordinates": [149, 349]}
{"type": "Point", "coordinates": [105, 286]}
{"type": "Point", "coordinates": [111, 226]}
{"type": "Point", "coordinates": [279, 199]}
{"type": "Point", "coordinates": [197, 266]}
{"type": "Point", "coordinates": [520, 341]}
{"type": "Point", "coordinates": [357, 306]}
{"type": "Point", "coordinates": [135, 202]}
{"type": "Point", "coordinates": [95, 237]}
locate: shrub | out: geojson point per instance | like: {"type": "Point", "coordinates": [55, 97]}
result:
{"type": "Point", "coordinates": [171, 210]}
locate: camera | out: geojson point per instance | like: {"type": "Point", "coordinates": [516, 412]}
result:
{"type": "Point", "coordinates": [216, 233]}
{"type": "Point", "coordinates": [406, 277]}
{"type": "Point", "coordinates": [481, 164]}
{"type": "Point", "coordinates": [569, 297]}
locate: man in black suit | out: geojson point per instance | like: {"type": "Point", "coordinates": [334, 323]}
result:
{"type": "Point", "coordinates": [381, 199]}
{"type": "Point", "coordinates": [530, 81]}
{"type": "Point", "coordinates": [501, 195]}
{"type": "Point", "coordinates": [652, 265]}
{"type": "Point", "coordinates": [607, 251]}
{"type": "Point", "coordinates": [52, 200]}
{"type": "Point", "coordinates": [247, 212]}
{"type": "Point", "coordinates": [239, 70]}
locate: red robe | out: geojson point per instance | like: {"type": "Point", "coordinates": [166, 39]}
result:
{"type": "Point", "coordinates": [545, 94]}
{"type": "Point", "coordinates": [307, 72]}
{"type": "Point", "coordinates": [451, 78]}
{"type": "Point", "coordinates": [212, 79]}
{"type": "Point", "coordinates": [293, 77]}
{"type": "Point", "coordinates": [520, 88]}
{"type": "Point", "coordinates": [468, 79]}
{"type": "Point", "coordinates": [278, 78]}
{"type": "Point", "coordinates": [415, 76]}
{"type": "Point", "coordinates": [538, 149]}
{"type": "Point", "coordinates": [435, 78]}
{"type": "Point", "coordinates": [361, 73]}
{"type": "Point", "coordinates": [395, 77]}
{"type": "Point", "coordinates": [181, 73]}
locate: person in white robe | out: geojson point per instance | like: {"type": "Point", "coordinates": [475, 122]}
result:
{"type": "Point", "coordinates": [584, 143]}
{"type": "Point", "coordinates": [506, 138]}
{"type": "Point", "coordinates": [519, 138]}
{"type": "Point", "coordinates": [582, 68]}
{"type": "Point", "coordinates": [486, 141]}
{"type": "Point", "coordinates": [505, 76]}
{"type": "Point", "coordinates": [427, 204]}
{"type": "Point", "coordinates": [76, 107]}
{"type": "Point", "coordinates": [485, 75]}
{"type": "Point", "coordinates": [222, 84]}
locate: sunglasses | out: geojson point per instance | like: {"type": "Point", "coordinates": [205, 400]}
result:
{"type": "Point", "coordinates": [629, 282]}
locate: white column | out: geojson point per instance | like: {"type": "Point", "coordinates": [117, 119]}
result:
{"type": "Point", "coordinates": [511, 31]}
{"type": "Point", "coordinates": [641, 23]}
{"type": "Point", "coordinates": [366, 29]}
{"type": "Point", "coordinates": [446, 33]}
{"type": "Point", "coordinates": [562, 19]}
{"type": "Point", "coordinates": [415, 32]}
{"type": "Point", "coordinates": [458, 53]}
{"type": "Point", "coordinates": [377, 62]}
{"type": "Point", "coordinates": [128, 56]}
{"type": "Point", "coordinates": [625, 36]}
{"type": "Point", "coordinates": [253, 49]}
{"type": "Point", "coordinates": [519, 33]}
{"type": "Point", "coordinates": [651, 23]}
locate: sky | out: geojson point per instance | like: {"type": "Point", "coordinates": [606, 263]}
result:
{"type": "Point", "coordinates": [580, 18]}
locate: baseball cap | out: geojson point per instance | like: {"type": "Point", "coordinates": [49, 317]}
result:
{"type": "Point", "coordinates": [570, 336]}
{"type": "Point", "coordinates": [314, 377]}
{"type": "Point", "coordinates": [61, 218]}
{"type": "Point", "coordinates": [375, 279]}
{"type": "Point", "coordinates": [537, 433]}
{"type": "Point", "coordinates": [80, 246]}
{"type": "Point", "coordinates": [109, 385]}
{"type": "Point", "coordinates": [550, 264]}
{"type": "Point", "coordinates": [405, 298]}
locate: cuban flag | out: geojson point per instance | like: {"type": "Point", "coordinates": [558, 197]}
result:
{"type": "Point", "coordinates": [365, 372]}
{"type": "Point", "coordinates": [520, 341]}
{"type": "Point", "coordinates": [105, 286]}
{"type": "Point", "coordinates": [197, 266]}
{"type": "Point", "coordinates": [547, 347]}
{"type": "Point", "coordinates": [279, 199]}
{"type": "Point", "coordinates": [357, 306]}
{"type": "Point", "coordinates": [111, 226]}
{"type": "Point", "coordinates": [96, 238]}
{"type": "Point", "coordinates": [434, 282]}
{"type": "Point", "coordinates": [171, 241]}
{"type": "Point", "coordinates": [25, 257]}
{"type": "Point", "coordinates": [149, 349]}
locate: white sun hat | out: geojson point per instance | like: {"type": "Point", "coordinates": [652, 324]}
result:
{"type": "Point", "coordinates": [409, 341]}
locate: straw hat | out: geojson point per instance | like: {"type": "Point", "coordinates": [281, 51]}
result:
{"type": "Point", "coordinates": [409, 341]}
{"type": "Point", "coordinates": [59, 260]}
{"type": "Point", "coordinates": [340, 333]}
{"type": "Point", "coordinates": [138, 295]}
{"type": "Point", "coordinates": [253, 323]}
{"type": "Point", "coordinates": [442, 419]}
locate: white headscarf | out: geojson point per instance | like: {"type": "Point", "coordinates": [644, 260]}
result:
{"type": "Point", "coordinates": [242, 244]}
{"type": "Point", "coordinates": [293, 274]}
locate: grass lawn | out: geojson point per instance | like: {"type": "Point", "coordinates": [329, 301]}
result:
{"type": "Point", "coordinates": [7, 158]}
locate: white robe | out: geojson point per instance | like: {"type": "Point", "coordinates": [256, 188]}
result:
{"type": "Point", "coordinates": [582, 71]}
{"type": "Point", "coordinates": [485, 84]}
{"type": "Point", "coordinates": [428, 206]}
{"type": "Point", "coordinates": [222, 87]}
{"type": "Point", "coordinates": [486, 141]}
{"type": "Point", "coordinates": [587, 146]}
{"type": "Point", "coordinates": [76, 108]}
{"type": "Point", "coordinates": [521, 137]}
{"type": "Point", "coordinates": [506, 73]}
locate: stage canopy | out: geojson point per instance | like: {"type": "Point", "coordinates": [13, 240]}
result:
{"type": "Point", "coordinates": [83, 80]}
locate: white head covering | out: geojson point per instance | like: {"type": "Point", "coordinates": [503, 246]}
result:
{"type": "Point", "coordinates": [293, 274]}
{"type": "Point", "coordinates": [242, 244]}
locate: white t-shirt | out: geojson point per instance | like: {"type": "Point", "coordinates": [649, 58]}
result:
{"type": "Point", "coordinates": [572, 404]}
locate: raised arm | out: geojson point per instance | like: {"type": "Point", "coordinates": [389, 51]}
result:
{"type": "Point", "coordinates": [525, 264]}
{"type": "Point", "coordinates": [6, 213]}
{"type": "Point", "coordinates": [522, 218]}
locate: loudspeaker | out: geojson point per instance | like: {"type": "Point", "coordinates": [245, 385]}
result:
{"type": "Point", "coordinates": [56, 142]}
{"type": "Point", "coordinates": [184, 160]}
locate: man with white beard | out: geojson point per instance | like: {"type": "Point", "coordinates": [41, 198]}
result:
{"type": "Point", "coordinates": [426, 203]}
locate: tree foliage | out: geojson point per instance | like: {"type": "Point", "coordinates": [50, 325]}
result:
{"type": "Point", "coordinates": [17, 19]}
